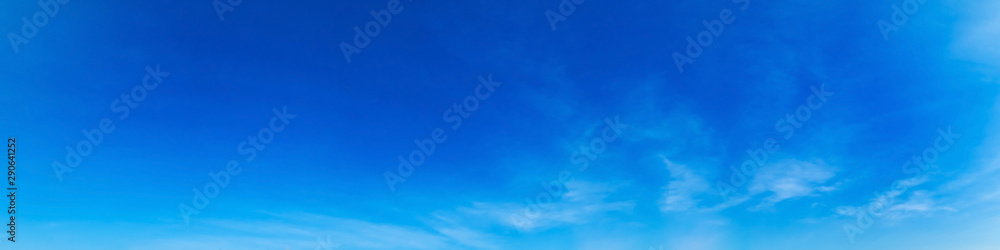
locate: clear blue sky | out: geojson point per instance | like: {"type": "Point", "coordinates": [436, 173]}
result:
{"type": "Point", "coordinates": [597, 126]}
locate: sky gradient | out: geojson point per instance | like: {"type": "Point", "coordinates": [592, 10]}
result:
{"type": "Point", "coordinates": [575, 124]}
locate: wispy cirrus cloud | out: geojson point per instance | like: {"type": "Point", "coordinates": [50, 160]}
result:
{"type": "Point", "coordinates": [784, 180]}
{"type": "Point", "coordinates": [791, 179]}
{"type": "Point", "coordinates": [680, 192]}
{"type": "Point", "coordinates": [583, 202]}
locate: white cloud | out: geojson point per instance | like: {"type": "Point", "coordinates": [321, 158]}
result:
{"type": "Point", "coordinates": [919, 203]}
{"type": "Point", "coordinates": [780, 181]}
{"type": "Point", "coordinates": [890, 205]}
{"type": "Point", "coordinates": [727, 204]}
{"type": "Point", "coordinates": [679, 194]}
{"type": "Point", "coordinates": [790, 179]}
{"type": "Point", "coordinates": [583, 202]}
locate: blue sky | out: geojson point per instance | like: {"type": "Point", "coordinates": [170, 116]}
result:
{"type": "Point", "coordinates": [248, 127]}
